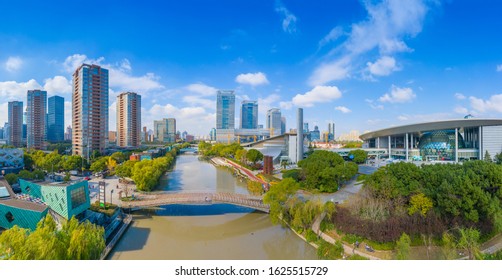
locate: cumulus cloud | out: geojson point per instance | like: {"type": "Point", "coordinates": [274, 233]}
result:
{"type": "Point", "coordinates": [499, 68]}
{"type": "Point", "coordinates": [197, 119]}
{"type": "Point", "coordinates": [398, 95]}
{"type": "Point", "coordinates": [194, 100]}
{"type": "Point", "coordinates": [319, 94]}
{"type": "Point", "coordinates": [202, 89]}
{"type": "Point", "coordinates": [494, 103]}
{"type": "Point", "coordinates": [373, 105]}
{"type": "Point", "coordinates": [331, 71]}
{"type": "Point", "coordinates": [288, 18]}
{"type": "Point", "coordinates": [57, 85]}
{"type": "Point", "coordinates": [387, 25]}
{"type": "Point", "coordinates": [461, 110]}
{"type": "Point", "coordinates": [343, 109]}
{"type": "Point", "coordinates": [265, 103]}
{"type": "Point", "coordinates": [384, 66]}
{"type": "Point", "coordinates": [403, 118]}
{"type": "Point", "coordinates": [74, 61]}
{"type": "Point", "coordinates": [14, 91]}
{"type": "Point", "coordinates": [459, 96]}
{"type": "Point", "coordinates": [253, 79]}
{"type": "Point", "coordinates": [13, 63]}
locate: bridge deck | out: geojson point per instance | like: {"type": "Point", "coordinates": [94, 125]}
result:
{"type": "Point", "coordinates": [151, 200]}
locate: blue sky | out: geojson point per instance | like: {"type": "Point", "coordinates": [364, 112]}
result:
{"type": "Point", "coordinates": [362, 64]}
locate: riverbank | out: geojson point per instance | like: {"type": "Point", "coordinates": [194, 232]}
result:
{"type": "Point", "coordinates": [123, 227]}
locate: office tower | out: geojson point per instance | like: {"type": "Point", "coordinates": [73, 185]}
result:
{"type": "Point", "coordinates": [274, 122]}
{"type": "Point", "coordinates": [15, 123]}
{"type": "Point", "coordinates": [36, 113]}
{"type": "Point", "coordinates": [171, 130]}
{"type": "Point", "coordinates": [315, 135]}
{"type": "Point", "coordinates": [213, 134]}
{"type": "Point", "coordinates": [90, 110]}
{"type": "Point", "coordinates": [331, 131]}
{"type": "Point", "coordinates": [68, 134]}
{"type": "Point", "coordinates": [299, 139]}
{"type": "Point", "coordinates": [225, 109]}
{"type": "Point", "coordinates": [305, 127]}
{"type": "Point", "coordinates": [112, 136]}
{"type": "Point", "coordinates": [249, 115]}
{"type": "Point", "coordinates": [283, 125]}
{"type": "Point", "coordinates": [1, 133]}
{"type": "Point", "coordinates": [184, 135]}
{"type": "Point", "coordinates": [55, 119]}
{"type": "Point", "coordinates": [129, 119]}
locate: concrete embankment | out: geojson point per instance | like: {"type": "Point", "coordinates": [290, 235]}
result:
{"type": "Point", "coordinates": [124, 225]}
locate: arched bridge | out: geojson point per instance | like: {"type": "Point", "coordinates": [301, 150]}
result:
{"type": "Point", "coordinates": [152, 200]}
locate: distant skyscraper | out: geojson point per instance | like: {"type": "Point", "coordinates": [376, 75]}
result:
{"type": "Point", "coordinates": [68, 134]}
{"type": "Point", "coordinates": [36, 113]}
{"type": "Point", "coordinates": [171, 130]}
{"type": "Point", "coordinates": [305, 127]}
{"type": "Point", "coordinates": [331, 131]}
{"type": "Point", "coordinates": [315, 135]}
{"type": "Point", "coordinates": [249, 115]}
{"type": "Point", "coordinates": [90, 110]}
{"type": "Point", "coordinates": [128, 119]}
{"type": "Point", "coordinates": [283, 125]}
{"type": "Point", "coordinates": [55, 119]}
{"type": "Point", "coordinates": [274, 122]}
{"type": "Point", "coordinates": [15, 123]}
{"type": "Point", "coordinates": [299, 134]}
{"type": "Point", "coordinates": [184, 135]}
{"type": "Point", "coordinates": [1, 133]}
{"type": "Point", "coordinates": [213, 134]}
{"type": "Point", "coordinates": [225, 109]}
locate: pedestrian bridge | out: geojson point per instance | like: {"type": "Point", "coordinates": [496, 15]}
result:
{"type": "Point", "coordinates": [155, 200]}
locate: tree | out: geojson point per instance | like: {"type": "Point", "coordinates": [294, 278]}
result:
{"type": "Point", "coordinates": [449, 248]}
{"type": "Point", "coordinates": [403, 247]}
{"type": "Point", "coordinates": [125, 169]}
{"type": "Point", "coordinates": [358, 156]}
{"type": "Point", "coordinates": [328, 251]}
{"type": "Point", "coordinates": [67, 177]}
{"type": "Point", "coordinates": [25, 174]}
{"type": "Point", "coordinates": [99, 165]}
{"type": "Point", "coordinates": [254, 155]}
{"type": "Point", "coordinates": [469, 241]}
{"type": "Point", "coordinates": [38, 174]}
{"type": "Point", "coordinates": [119, 157]}
{"type": "Point", "coordinates": [11, 178]}
{"type": "Point", "coordinates": [487, 157]}
{"type": "Point", "coordinates": [111, 163]}
{"type": "Point", "coordinates": [277, 196]}
{"type": "Point", "coordinates": [420, 203]}
{"type": "Point", "coordinates": [498, 158]}
{"type": "Point", "coordinates": [240, 155]}
{"type": "Point", "coordinates": [73, 162]}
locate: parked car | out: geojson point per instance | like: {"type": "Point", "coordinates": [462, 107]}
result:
{"type": "Point", "coordinates": [87, 178]}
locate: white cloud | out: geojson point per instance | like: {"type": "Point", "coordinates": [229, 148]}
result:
{"type": "Point", "coordinates": [387, 25]}
{"type": "Point", "coordinates": [14, 91]}
{"type": "Point", "coordinates": [13, 63]}
{"type": "Point", "coordinates": [264, 104]}
{"type": "Point", "coordinates": [331, 71]}
{"type": "Point", "coordinates": [461, 110]}
{"type": "Point", "coordinates": [4, 108]}
{"type": "Point", "coordinates": [459, 96]}
{"type": "Point", "coordinates": [343, 109]}
{"type": "Point", "coordinates": [493, 104]}
{"type": "Point", "coordinates": [403, 118]}
{"type": "Point", "coordinates": [72, 62]}
{"type": "Point", "coordinates": [194, 100]}
{"type": "Point", "coordinates": [334, 34]}
{"type": "Point", "coordinates": [253, 79]}
{"type": "Point", "coordinates": [384, 66]}
{"type": "Point", "coordinates": [373, 105]}
{"type": "Point", "coordinates": [193, 119]}
{"type": "Point", "coordinates": [499, 68]}
{"type": "Point", "coordinates": [202, 89]}
{"type": "Point", "coordinates": [58, 85]}
{"type": "Point", "coordinates": [286, 105]}
{"type": "Point", "coordinates": [319, 94]}
{"type": "Point", "coordinates": [398, 95]}
{"type": "Point", "coordinates": [288, 19]}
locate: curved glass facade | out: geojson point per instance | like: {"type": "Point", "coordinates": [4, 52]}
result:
{"type": "Point", "coordinates": [439, 144]}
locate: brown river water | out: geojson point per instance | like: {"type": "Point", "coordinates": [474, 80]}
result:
{"type": "Point", "coordinates": [199, 232]}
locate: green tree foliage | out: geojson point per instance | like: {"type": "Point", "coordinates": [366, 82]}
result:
{"type": "Point", "coordinates": [293, 173]}
{"type": "Point", "coordinates": [254, 187]}
{"type": "Point", "coordinates": [59, 147]}
{"type": "Point", "coordinates": [99, 165]}
{"type": "Point", "coordinates": [70, 163]}
{"type": "Point", "coordinates": [420, 203]}
{"type": "Point", "coordinates": [74, 241]}
{"type": "Point", "coordinates": [240, 155]}
{"type": "Point", "coordinates": [119, 157]}
{"type": "Point", "coordinates": [38, 175]}
{"type": "Point", "coordinates": [11, 178]}
{"type": "Point", "coordinates": [469, 241]}
{"type": "Point", "coordinates": [25, 174]}
{"type": "Point", "coordinates": [449, 247]}
{"type": "Point", "coordinates": [328, 251]}
{"type": "Point", "coordinates": [487, 157]}
{"type": "Point", "coordinates": [146, 173]}
{"type": "Point", "coordinates": [351, 145]}
{"type": "Point", "coordinates": [125, 169]}
{"type": "Point", "coordinates": [204, 147]}
{"type": "Point", "coordinates": [359, 156]}
{"type": "Point", "coordinates": [254, 155]}
{"type": "Point", "coordinates": [325, 171]}
{"type": "Point", "coordinates": [28, 161]}
{"type": "Point", "coordinates": [277, 196]}
{"type": "Point", "coordinates": [498, 158]}
{"type": "Point", "coordinates": [403, 247]}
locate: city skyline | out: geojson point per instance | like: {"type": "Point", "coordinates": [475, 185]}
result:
{"type": "Point", "coordinates": [361, 65]}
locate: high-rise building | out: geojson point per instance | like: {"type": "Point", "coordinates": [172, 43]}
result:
{"type": "Point", "coordinates": [274, 121]}
{"type": "Point", "coordinates": [184, 135]}
{"type": "Point", "coordinates": [331, 131]}
{"type": "Point", "coordinates": [249, 115]}
{"type": "Point", "coordinates": [283, 125]}
{"type": "Point", "coordinates": [315, 135]}
{"type": "Point", "coordinates": [299, 134]}
{"type": "Point", "coordinates": [225, 109]}
{"type": "Point", "coordinates": [128, 119]}
{"type": "Point", "coordinates": [90, 110]}
{"type": "Point", "coordinates": [144, 135]}
{"type": "Point", "coordinates": [171, 130]}
{"type": "Point", "coordinates": [213, 134]}
{"type": "Point", "coordinates": [36, 113]}
{"type": "Point", "coordinates": [15, 123]}
{"type": "Point", "coordinates": [55, 119]}
{"type": "Point", "coordinates": [68, 134]}
{"type": "Point", "coordinates": [112, 136]}
{"type": "Point", "coordinates": [305, 127]}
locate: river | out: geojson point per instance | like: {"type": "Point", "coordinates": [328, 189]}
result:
{"type": "Point", "coordinates": [198, 232]}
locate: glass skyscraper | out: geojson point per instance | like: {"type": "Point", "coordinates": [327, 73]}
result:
{"type": "Point", "coordinates": [274, 121]}
{"type": "Point", "coordinates": [249, 115]}
{"type": "Point", "coordinates": [225, 109]}
{"type": "Point", "coordinates": [55, 119]}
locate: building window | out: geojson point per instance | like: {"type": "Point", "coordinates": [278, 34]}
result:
{"type": "Point", "coordinates": [78, 197]}
{"type": "Point", "coordinates": [9, 217]}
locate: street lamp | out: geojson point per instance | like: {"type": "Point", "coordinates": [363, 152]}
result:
{"type": "Point", "coordinates": [111, 197]}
